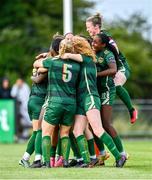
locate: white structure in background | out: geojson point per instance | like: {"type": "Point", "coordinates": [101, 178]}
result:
{"type": "Point", "coordinates": [67, 16]}
{"type": "Point", "coordinates": [21, 91]}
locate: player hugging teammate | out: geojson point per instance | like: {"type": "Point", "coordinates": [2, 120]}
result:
{"type": "Point", "coordinates": [74, 87]}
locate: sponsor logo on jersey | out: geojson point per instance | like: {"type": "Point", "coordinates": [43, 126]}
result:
{"type": "Point", "coordinates": [100, 60]}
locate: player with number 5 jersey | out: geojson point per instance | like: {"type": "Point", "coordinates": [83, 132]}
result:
{"type": "Point", "coordinates": [62, 79]}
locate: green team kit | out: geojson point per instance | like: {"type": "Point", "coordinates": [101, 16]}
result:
{"type": "Point", "coordinates": [62, 81]}
{"type": "Point", "coordinates": [89, 99]}
{"type": "Point", "coordinates": [87, 94]}
{"type": "Point", "coordinates": [122, 64]}
{"type": "Point", "coordinates": [124, 73]}
{"type": "Point", "coordinates": [105, 85]}
{"type": "Point", "coordinates": [37, 98]}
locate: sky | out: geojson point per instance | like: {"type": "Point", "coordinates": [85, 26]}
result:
{"type": "Point", "coordinates": [110, 9]}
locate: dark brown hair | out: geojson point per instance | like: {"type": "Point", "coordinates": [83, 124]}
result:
{"type": "Point", "coordinates": [95, 19]}
{"type": "Point", "coordinates": [105, 39]}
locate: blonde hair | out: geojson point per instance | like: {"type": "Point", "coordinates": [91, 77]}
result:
{"type": "Point", "coordinates": [82, 46]}
{"type": "Point", "coordinates": [95, 19]}
{"type": "Point", "coordinates": [65, 47]}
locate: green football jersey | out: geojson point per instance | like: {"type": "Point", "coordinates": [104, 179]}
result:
{"type": "Point", "coordinates": [122, 63]}
{"type": "Point", "coordinates": [87, 79]}
{"type": "Point", "coordinates": [62, 79]}
{"type": "Point", "coordinates": [103, 59]}
{"type": "Point", "coordinates": [39, 89]}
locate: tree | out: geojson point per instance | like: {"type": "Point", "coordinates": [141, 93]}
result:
{"type": "Point", "coordinates": [129, 35]}
{"type": "Point", "coordinates": [27, 27]}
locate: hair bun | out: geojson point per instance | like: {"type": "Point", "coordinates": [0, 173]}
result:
{"type": "Point", "coordinates": [98, 14]}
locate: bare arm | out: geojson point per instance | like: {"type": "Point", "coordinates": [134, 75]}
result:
{"type": "Point", "coordinates": [38, 63]}
{"type": "Point", "coordinates": [76, 57]}
{"type": "Point", "coordinates": [39, 78]}
{"type": "Point", "coordinates": [111, 71]}
{"type": "Point", "coordinates": [42, 55]}
{"type": "Point", "coordinates": [42, 70]}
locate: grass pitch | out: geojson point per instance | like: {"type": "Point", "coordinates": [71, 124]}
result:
{"type": "Point", "coordinates": [139, 165]}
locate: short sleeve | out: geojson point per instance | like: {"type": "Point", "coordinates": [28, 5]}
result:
{"type": "Point", "coordinates": [47, 63]}
{"type": "Point", "coordinates": [110, 58]}
{"type": "Point", "coordinates": [86, 59]}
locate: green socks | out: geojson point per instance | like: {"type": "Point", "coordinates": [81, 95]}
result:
{"type": "Point", "coordinates": [124, 96]}
{"type": "Point", "coordinates": [65, 147]}
{"type": "Point", "coordinates": [31, 143]}
{"type": "Point", "coordinates": [91, 147]}
{"type": "Point", "coordinates": [82, 143]}
{"type": "Point", "coordinates": [99, 143]}
{"type": "Point", "coordinates": [74, 146]}
{"type": "Point", "coordinates": [52, 151]}
{"type": "Point", "coordinates": [38, 142]}
{"type": "Point", "coordinates": [118, 143]}
{"type": "Point", "coordinates": [59, 147]}
{"type": "Point", "coordinates": [46, 145]}
{"type": "Point", "coordinates": [107, 140]}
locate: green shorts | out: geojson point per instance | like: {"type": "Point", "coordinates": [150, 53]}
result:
{"type": "Point", "coordinates": [80, 109]}
{"type": "Point", "coordinates": [45, 102]}
{"type": "Point", "coordinates": [34, 106]}
{"type": "Point", "coordinates": [57, 113]}
{"type": "Point", "coordinates": [108, 97]}
{"type": "Point", "coordinates": [92, 102]}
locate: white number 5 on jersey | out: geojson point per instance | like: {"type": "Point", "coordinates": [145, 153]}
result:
{"type": "Point", "coordinates": [66, 74]}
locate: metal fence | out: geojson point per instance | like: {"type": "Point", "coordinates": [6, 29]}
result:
{"type": "Point", "coordinates": [143, 125]}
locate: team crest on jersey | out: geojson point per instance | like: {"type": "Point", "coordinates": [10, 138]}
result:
{"type": "Point", "coordinates": [106, 51]}
{"type": "Point", "coordinates": [100, 60]}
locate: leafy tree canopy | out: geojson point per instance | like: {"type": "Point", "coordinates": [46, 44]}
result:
{"type": "Point", "coordinates": [27, 26]}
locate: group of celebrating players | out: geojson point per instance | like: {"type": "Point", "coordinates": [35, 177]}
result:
{"type": "Point", "coordinates": [70, 105]}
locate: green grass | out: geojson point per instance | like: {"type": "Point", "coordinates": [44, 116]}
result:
{"type": "Point", "coordinates": [139, 165]}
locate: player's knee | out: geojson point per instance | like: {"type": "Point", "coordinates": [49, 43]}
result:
{"type": "Point", "coordinates": [77, 132]}
{"type": "Point", "coordinates": [98, 131]}
{"type": "Point", "coordinates": [64, 133]}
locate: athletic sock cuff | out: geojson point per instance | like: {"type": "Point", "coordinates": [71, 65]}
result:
{"type": "Point", "coordinates": [65, 137]}
{"type": "Point", "coordinates": [40, 130]}
{"type": "Point", "coordinates": [80, 137]}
